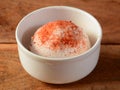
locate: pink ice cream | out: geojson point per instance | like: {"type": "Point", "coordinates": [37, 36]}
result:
{"type": "Point", "coordinates": [59, 39]}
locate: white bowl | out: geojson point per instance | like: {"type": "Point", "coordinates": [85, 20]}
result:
{"type": "Point", "coordinates": [58, 70]}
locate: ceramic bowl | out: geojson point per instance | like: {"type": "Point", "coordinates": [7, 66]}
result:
{"type": "Point", "coordinates": [58, 70]}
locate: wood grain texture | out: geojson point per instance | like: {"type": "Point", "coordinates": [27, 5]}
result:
{"type": "Point", "coordinates": [106, 75]}
{"type": "Point", "coordinates": [106, 11]}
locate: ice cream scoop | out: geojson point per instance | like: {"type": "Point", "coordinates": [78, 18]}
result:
{"type": "Point", "coordinates": [59, 39]}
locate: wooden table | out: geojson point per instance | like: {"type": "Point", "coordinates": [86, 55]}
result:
{"type": "Point", "coordinates": [106, 75]}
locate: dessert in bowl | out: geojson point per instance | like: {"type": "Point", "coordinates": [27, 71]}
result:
{"type": "Point", "coordinates": [59, 39]}
{"type": "Point", "coordinates": [59, 67]}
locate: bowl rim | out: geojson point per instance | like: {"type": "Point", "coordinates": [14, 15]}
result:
{"type": "Point", "coordinates": [62, 58]}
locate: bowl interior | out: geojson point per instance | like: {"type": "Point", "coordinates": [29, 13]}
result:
{"type": "Point", "coordinates": [30, 23]}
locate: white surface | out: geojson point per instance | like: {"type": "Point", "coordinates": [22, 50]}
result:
{"type": "Point", "coordinates": [58, 70]}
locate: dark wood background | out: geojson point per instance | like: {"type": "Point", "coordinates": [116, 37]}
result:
{"type": "Point", "coordinates": [106, 75]}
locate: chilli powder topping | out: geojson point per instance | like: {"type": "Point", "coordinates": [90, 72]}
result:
{"type": "Point", "coordinates": [59, 39]}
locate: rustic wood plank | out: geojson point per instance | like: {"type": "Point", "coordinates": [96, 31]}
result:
{"type": "Point", "coordinates": [106, 75]}
{"type": "Point", "coordinates": [106, 11]}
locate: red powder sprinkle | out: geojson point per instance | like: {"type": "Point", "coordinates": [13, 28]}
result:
{"type": "Point", "coordinates": [68, 39]}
